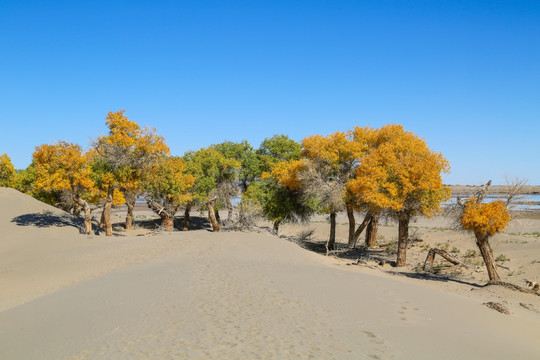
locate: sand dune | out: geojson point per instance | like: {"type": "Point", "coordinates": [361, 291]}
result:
{"type": "Point", "coordinates": [229, 295]}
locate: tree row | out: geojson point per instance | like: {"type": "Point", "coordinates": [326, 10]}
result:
{"type": "Point", "coordinates": [384, 171]}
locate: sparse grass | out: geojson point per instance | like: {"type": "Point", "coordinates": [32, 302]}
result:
{"type": "Point", "coordinates": [444, 246]}
{"type": "Point", "coordinates": [455, 273]}
{"type": "Point", "coordinates": [391, 247]}
{"type": "Point", "coordinates": [455, 250]}
{"type": "Point", "coordinates": [502, 258]}
{"type": "Point", "coordinates": [472, 254]}
{"type": "Point", "coordinates": [533, 234]}
{"type": "Point", "coordinates": [516, 241]}
{"type": "Point", "coordinates": [429, 228]}
{"type": "Point", "coordinates": [440, 228]}
{"type": "Point", "coordinates": [471, 257]}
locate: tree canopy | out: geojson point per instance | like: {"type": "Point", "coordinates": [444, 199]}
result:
{"type": "Point", "coordinates": [485, 218]}
{"type": "Point", "coordinates": [401, 173]}
{"type": "Point", "coordinates": [62, 166]}
{"type": "Point", "coordinates": [364, 169]}
{"type": "Point", "coordinates": [120, 159]}
{"type": "Point", "coordinates": [7, 171]}
{"type": "Point", "coordinates": [167, 187]}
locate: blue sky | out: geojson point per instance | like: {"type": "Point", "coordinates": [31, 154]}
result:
{"type": "Point", "coordinates": [464, 75]}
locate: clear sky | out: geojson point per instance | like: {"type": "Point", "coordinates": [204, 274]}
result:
{"type": "Point", "coordinates": [464, 75]}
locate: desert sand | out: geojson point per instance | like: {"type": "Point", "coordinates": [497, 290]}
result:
{"type": "Point", "coordinates": [253, 295]}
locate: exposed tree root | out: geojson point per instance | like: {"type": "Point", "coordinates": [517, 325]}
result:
{"type": "Point", "coordinates": [513, 287]}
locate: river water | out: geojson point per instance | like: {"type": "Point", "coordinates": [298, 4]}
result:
{"type": "Point", "coordinates": [528, 202]}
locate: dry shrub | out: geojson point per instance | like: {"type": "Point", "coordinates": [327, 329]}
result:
{"type": "Point", "coordinates": [249, 212]}
{"type": "Point", "coordinates": [305, 235]}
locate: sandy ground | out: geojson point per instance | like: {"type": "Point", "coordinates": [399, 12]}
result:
{"type": "Point", "coordinates": [252, 295]}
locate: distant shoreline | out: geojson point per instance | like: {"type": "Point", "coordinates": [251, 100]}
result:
{"type": "Point", "coordinates": [493, 189]}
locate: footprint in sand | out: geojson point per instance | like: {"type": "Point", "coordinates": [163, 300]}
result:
{"type": "Point", "coordinates": [373, 337]}
{"type": "Point", "coordinates": [403, 311]}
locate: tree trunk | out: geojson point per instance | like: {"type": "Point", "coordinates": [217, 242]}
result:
{"type": "Point", "coordinates": [87, 214]}
{"type": "Point", "coordinates": [107, 212]}
{"type": "Point", "coordinates": [102, 219]}
{"type": "Point", "coordinates": [403, 238]}
{"type": "Point", "coordinates": [166, 215]}
{"type": "Point", "coordinates": [361, 228]}
{"type": "Point", "coordinates": [167, 221]}
{"type": "Point", "coordinates": [332, 239]}
{"type": "Point", "coordinates": [186, 216]}
{"type": "Point", "coordinates": [352, 225]}
{"type": "Point", "coordinates": [211, 214]}
{"type": "Point", "coordinates": [244, 185]}
{"type": "Point", "coordinates": [129, 218]}
{"type": "Point", "coordinates": [487, 254]}
{"type": "Point", "coordinates": [276, 226]}
{"type": "Point", "coordinates": [371, 231]}
{"type": "Point", "coordinates": [77, 210]}
{"type": "Point", "coordinates": [230, 209]}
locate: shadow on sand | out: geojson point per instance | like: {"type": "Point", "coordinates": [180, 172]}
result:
{"type": "Point", "coordinates": [195, 223]}
{"type": "Point", "coordinates": [434, 277]}
{"type": "Point", "coordinates": [48, 219]}
{"type": "Point", "coordinates": [379, 256]}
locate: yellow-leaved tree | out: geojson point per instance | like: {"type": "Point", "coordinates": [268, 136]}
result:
{"type": "Point", "coordinates": [167, 187]}
{"type": "Point", "coordinates": [402, 175]}
{"type": "Point", "coordinates": [364, 138]}
{"type": "Point", "coordinates": [280, 194]}
{"type": "Point", "coordinates": [104, 188]}
{"type": "Point", "coordinates": [65, 167]}
{"type": "Point", "coordinates": [329, 164]}
{"type": "Point", "coordinates": [485, 220]}
{"type": "Point", "coordinates": [122, 158]}
{"type": "Point", "coordinates": [7, 171]}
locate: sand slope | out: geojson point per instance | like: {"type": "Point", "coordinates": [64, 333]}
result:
{"type": "Point", "coordinates": [232, 296]}
{"type": "Point", "coordinates": [42, 250]}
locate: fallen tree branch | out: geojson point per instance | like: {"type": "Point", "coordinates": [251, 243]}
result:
{"type": "Point", "coordinates": [430, 258]}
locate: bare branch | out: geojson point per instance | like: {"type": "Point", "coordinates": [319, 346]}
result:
{"type": "Point", "coordinates": [482, 192]}
{"type": "Point", "coordinates": [513, 187]}
{"type": "Point", "coordinates": [318, 182]}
